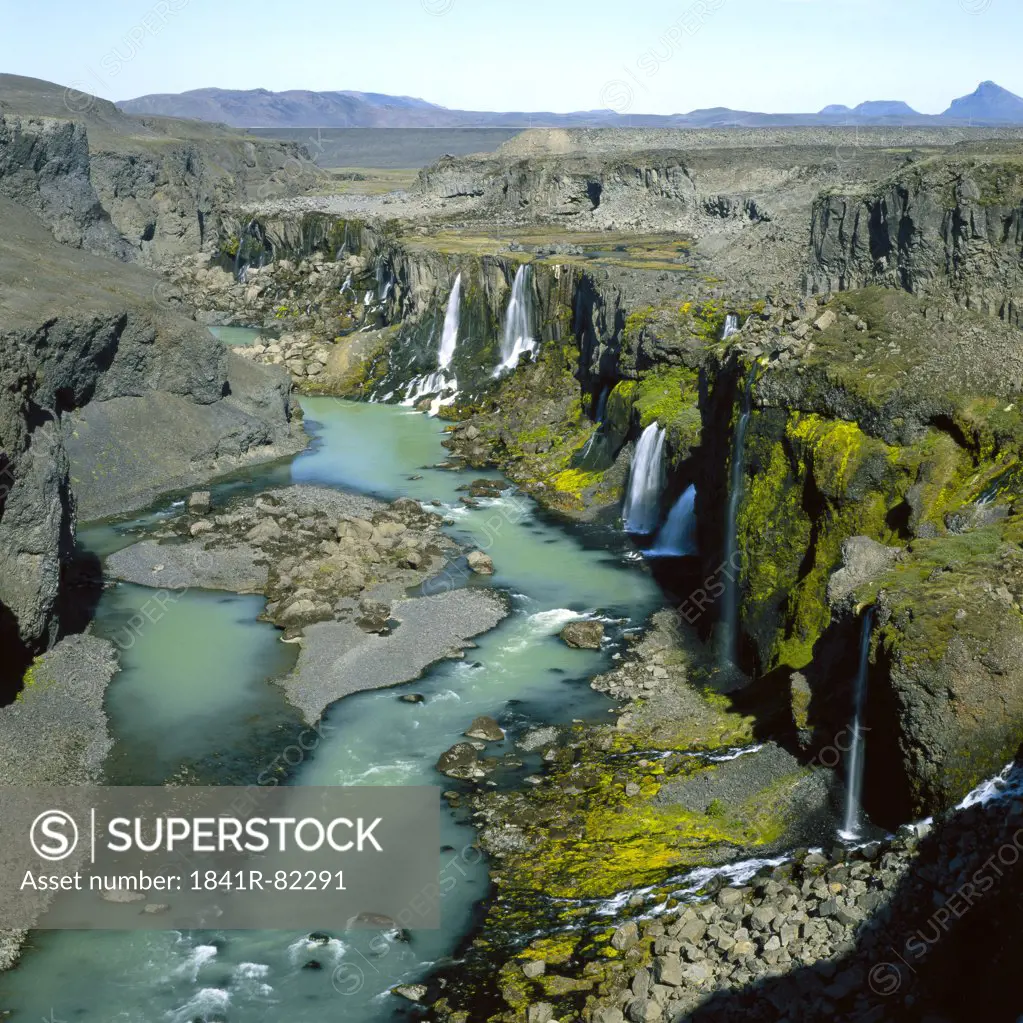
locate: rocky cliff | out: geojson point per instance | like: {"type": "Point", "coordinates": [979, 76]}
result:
{"type": "Point", "coordinates": [44, 165]}
{"type": "Point", "coordinates": [138, 188]}
{"type": "Point", "coordinates": [945, 225]}
{"type": "Point", "coordinates": [108, 398]}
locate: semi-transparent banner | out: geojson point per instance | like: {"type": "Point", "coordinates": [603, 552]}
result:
{"type": "Point", "coordinates": [234, 858]}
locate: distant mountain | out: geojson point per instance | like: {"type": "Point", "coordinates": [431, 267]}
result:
{"type": "Point", "coordinates": [885, 108]}
{"type": "Point", "coordinates": [259, 108]}
{"type": "Point", "coordinates": [296, 108]}
{"type": "Point", "coordinates": [990, 104]}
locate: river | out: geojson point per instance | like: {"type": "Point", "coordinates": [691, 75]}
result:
{"type": "Point", "coordinates": [193, 700]}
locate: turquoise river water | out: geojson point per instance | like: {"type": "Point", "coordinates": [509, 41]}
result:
{"type": "Point", "coordinates": [194, 700]}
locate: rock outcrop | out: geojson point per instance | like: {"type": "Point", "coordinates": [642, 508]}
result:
{"type": "Point", "coordinates": [107, 399]}
{"type": "Point", "coordinates": [144, 189]}
{"type": "Point", "coordinates": [946, 225]}
{"type": "Point", "coordinates": [44, 166]}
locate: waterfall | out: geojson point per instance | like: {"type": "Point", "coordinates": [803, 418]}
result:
{"type": "Point", "coordinates": [438, 383]}
{"type": "Point", "coordinates": [731, 326]}
{"type": "Point", "coordinates": [729, 628]}
{"type": "Point", "coordinates": [642, 503]}
{"type": "Point", "coordinates": [677, 537]}
{"type": "Point", "coordinates": [449, 339]}
{"type": "Point", "coordinates": [602, 405]}
{"type": "Point", "coordinates": [854, 780]}
{"type": "Point", "coordinates": [517, 339]}
{"type": "Point", "coordinates": [384, 280]}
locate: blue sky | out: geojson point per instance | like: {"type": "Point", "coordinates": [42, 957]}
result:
{"type": "Point", "coordinates": [647, 56]}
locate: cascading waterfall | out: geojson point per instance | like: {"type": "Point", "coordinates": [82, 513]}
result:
{"type": "Point", "coordinates": [731, 326]}
{"type": "Point", "coordinates": [677, 537]}
{"type": "Point", "coordinates": [438, 383]}
{"type": "Point", "coordinates": [729, 627]}
{"type": "Point", "coordinates": [854, 779]}
{"type": "Point", "coordinates": [517, 339]}
{"type": "Point", "coordinates": [642, 503]}
{"type": "Point", "coordinates": [449, 338]}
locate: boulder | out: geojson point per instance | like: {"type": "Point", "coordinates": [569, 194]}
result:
{"type": "Point", "coordinates": [462, 762]}
{"type": "Point", "coordinates": [827, 319]}
{"type": "Point", "coordinates": [486, 729]}
{"type": "Point", "coordinates": [480, 563]}
{"type": "Point", "coordinates": [625, 937]}
{"type": "Point", "coordinates": [264, 531]}
{"type": "Point", "coordinates": [200, 502]}
{"type": "Point", "coordinates": [586, 635]}
{"type": "Point", "coordinates": [410, 992]}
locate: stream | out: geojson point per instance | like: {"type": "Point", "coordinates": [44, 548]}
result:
{"type": "Point", "coordinates": [193, 697]}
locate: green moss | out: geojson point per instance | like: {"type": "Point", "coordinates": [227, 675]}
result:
{"type": "Point", "coordinates": [773, 532]}
{"type": "Point", "coordinates": [670, 397]}
{"type": "Point", "coordinates": [635, 323]}
{"type": "Point", "coordinates": [576, 481]}
{"type": "Point", "coordinates": [34, 678]}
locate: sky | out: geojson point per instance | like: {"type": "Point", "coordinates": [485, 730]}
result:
{"type": "Point", "coordinates": [645, 56]}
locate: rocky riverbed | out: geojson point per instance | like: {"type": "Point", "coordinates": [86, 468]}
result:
{"type": "Point", "coordinates": [335, 569]}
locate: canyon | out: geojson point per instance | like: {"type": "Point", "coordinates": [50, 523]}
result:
{"type": "Point", "coordinates": [790, 359]}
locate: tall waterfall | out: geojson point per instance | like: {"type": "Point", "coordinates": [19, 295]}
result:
{"type": "Point", "coordinates": [517, 338]}
{"type": "Point", "coordinates": [854, 773]}
{"type": "Point", "coordinates": [438, 382]}
{"type": "Point", "coordinates": [729, 628]}
{"type": "Point", "coordinates": [731, 326]}
{"type": "Point", "coordinates": [642, 503]}
{"type": "Point", "coordinates": [677, 537]}
{"type": "Point", "coordinates": [449, 339]}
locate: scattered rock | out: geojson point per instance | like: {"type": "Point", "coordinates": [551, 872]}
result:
{"type": "Point", "coordinates": [200, 502]}
{"type": "Point", "coordinates": [410, 992]}
{"type": "Point", "coordinates": [461, 762]}
{"type": "Point", "coordinates": [625, 936]}
{"type": "Point", "coordinates": [123, 897]}
{"type": "Point", "coordinates": [485, 728]}
{"type": "Point", "coordinates": [586, 635]}
{"type": "Point", "coordinates": [480, 563]}
{"type": "Point", "coordinates": [827, 319]}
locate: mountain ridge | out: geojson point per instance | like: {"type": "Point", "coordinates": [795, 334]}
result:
{"type": "Point", "coordinates": [302, 108]}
